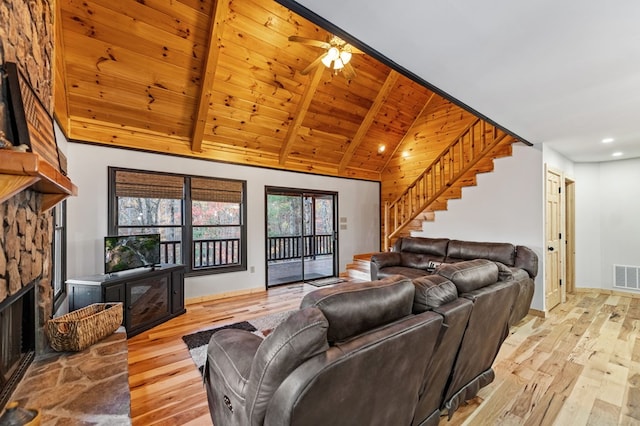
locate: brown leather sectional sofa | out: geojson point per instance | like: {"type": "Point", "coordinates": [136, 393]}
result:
{"type": "Point", "coordinates": [413, 256]}
{"type": "Point", "coordinates": [387, 352]}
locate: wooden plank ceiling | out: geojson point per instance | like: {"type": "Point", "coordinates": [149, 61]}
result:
{"type": "Point", "coordinates": [220, 80]}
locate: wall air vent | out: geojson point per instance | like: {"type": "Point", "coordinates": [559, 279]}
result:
{"type": "Point", "coordinates": [627, 277]}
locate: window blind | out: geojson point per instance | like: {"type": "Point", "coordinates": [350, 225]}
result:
{"type": "Point", "coordinates": [219, 190]}
{"type": "Point", "coordinates": [148, 185]}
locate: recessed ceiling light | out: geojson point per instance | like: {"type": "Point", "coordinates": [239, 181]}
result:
{"type": "Point", "coordinates": [617, 154]}
{"type": "Point", "coordinates": [405, 154]}
{"type": "Point", "coordinates": [607, 140]}
{"type": "Point", "coordinates": [381, 149]}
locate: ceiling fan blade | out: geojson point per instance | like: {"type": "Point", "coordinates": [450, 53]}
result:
{"type": "Point", "coordinates": [355, 50]}
{"type": "Point", "coordinates": [309, 41]}
{"type": "Point", "coordinates": [313, 64]}
{"type": "Point", "coordinates": [348, 71]}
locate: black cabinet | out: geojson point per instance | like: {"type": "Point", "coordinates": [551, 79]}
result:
{"type": "Point", "coordinates": [150, 297]}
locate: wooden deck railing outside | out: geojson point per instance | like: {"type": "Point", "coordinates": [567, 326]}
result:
{"type": "Point", "coordinates": [222, 252]}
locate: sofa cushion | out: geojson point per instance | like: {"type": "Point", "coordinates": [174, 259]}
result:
{"type": "Point", "coordinates": [468, 250]}
{"type": "Point", "coordinates": [419, 260]}
{"type": "Point", "coordinates": [299, 337]}
{"type": "Point", "coordinates": [402, 270]}
{"type": "Point", "coordinates": [470, 275]}
{"type": "Point", "coordinates": [436, 247]}
{"type": "Point", "coordinates": [505, 273]}
{"type": "Point", "coordinates": [353, 308]}
{"type": "Point", "coordinates": [432, 292]}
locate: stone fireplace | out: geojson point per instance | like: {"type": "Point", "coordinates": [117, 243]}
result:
{"type": "Point", "coordinates": [26, 38]}
{"type": "Point", "coordinates": [90, 387]}
{"type": "Point", "coordinates": [25, 284]}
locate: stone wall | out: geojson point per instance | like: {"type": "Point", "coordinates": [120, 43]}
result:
{"type": "Point", "coordinates": [25, 254]}
{"type": "Point", "coordinates": [26, 38]}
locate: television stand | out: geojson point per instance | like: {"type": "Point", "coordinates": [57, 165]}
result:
{"type": "Point", "coordinates": [150, 296]}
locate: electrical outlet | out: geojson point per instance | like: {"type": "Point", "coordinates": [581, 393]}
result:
{"type": "Point", "coordinates": [252, 269]}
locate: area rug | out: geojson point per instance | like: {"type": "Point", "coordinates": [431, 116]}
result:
{"type": "Point", "coordinates": [326, 281]}
{"type": "Point", "coordinates": [261, 326]}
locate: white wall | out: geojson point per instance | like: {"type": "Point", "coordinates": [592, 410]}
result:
{"type": "Point", "coordinates": [358, 201]}
{"type": "Point", "coordinates": [557, 161]}
{"type": "Point", "coordinates": [607, 225]}
{"type": "Point", "coordinates": [587, 238]}
{"type": "Point", "coordinates": [505, 206]}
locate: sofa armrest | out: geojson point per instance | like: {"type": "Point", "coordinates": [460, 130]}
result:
{"type": "Point", "coordinates": [526, 259]}
{"type": "Point", "coordinates": [299, 337]}
{"type": "Point", "coordinates": [384, 260]}
{"type": "Point", "coordinates": [227, 369]}
{"type": "Point", "coordinates": [231, 352]}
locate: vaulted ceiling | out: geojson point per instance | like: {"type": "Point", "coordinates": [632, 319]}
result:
{"type": "Point", "coordinates": [564, 75]}
{"type": "Point", "coordinates": [220, 80]}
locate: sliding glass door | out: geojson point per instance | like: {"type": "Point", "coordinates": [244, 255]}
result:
{"type": "Point", "coordinates": [301, 240]}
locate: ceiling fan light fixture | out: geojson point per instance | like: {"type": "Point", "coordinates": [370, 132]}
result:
{"type": "Point", "coordinates": [333, 53]}
{"type": "Point", "coordinates": [345, 56]}
{"type": "Point", "coordinates": [338, 64]}
{"type": "Point", "coordinates": [326, 61]}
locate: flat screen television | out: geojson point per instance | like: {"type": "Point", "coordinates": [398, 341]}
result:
{"type": "Point", "coordinates": [123, 252]}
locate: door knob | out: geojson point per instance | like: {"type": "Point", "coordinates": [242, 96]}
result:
{"type": "Point", "coordinates": [550, 248]}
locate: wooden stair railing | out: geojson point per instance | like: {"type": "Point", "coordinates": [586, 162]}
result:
{"type": "Point", "coordinates": [476, 141]}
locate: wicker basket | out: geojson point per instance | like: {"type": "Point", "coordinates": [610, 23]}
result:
{"type": "Point", "coordinates": [80, 329]}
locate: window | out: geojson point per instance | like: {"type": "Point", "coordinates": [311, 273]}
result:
{"type": "Point", "coordinates": [58, 253]}
{"type": "Point", "coordinates": [216, 218]}
{"type": "Point", "coordinates": [201, 220]}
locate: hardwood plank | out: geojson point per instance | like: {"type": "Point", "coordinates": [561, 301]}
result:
{"type": "Point", "coordinates": [603, 414]}
{"type": "Point", "coordinates": [631, 407]}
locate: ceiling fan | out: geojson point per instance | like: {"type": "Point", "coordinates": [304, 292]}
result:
{"type": "Point", "coordinates": [337, 55]}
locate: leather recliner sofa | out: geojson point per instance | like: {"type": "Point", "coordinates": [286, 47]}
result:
{"type": "Point", "coordinates": [476, 308]}
{"type": "Point", "coordinates": [385, 352]}
{"type": "Point", "coordinates": [412, 257]}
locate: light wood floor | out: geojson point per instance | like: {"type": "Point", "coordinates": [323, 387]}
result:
{"type": "Point", "coordinates": [579, 366]}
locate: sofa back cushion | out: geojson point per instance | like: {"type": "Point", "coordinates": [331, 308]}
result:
{"type": "Point", "coordinates": [301, 336]}
{"type": "Point", "coordinates": [470, 275]}
{"type": "Point", "coordinates": [468, 250]}
{"type": "Point", "coordinates": [371, 379]}
{"type": "Point", "coordinates": [418, 260]}
{"type": "Point", "coordinates": [436, 247]}
{"type": "Point", "coordinates": [432, 291]}
{"type": "Point", "coordinates": [353, 308]}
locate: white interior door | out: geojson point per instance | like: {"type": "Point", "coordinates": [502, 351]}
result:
{"type": "Point", "coordinates": [553, 261]}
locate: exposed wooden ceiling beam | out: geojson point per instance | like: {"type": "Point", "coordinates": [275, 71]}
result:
{"type": "Point", "coordinates": [410, 130]}
{"type": "Point", "coordinates": [381, 98]}
{"type": "Point", "coordinates": [300, 113]}
{"type": "Point", "coordinates": [221, 9]}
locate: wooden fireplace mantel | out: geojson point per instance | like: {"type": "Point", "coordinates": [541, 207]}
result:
{"type": "Point", "coordinates": [24, 170]}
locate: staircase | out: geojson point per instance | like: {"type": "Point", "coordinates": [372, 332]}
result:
{"type": "Point", "coordinates": [359, 268]}
{"type": "Point", "coordinates": [472, 152]}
